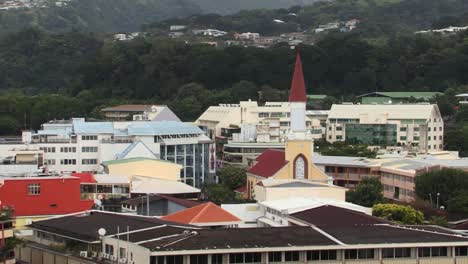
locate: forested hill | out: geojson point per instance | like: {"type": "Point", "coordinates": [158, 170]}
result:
{"type": "Point", "coordinates": [377, 17]}
{"type": "Point", "coordinates": [118, 15]}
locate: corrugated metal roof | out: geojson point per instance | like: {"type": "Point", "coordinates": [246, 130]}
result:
{"type": "Point", "coordinates": [93, 127]}
{"type": "Point", "coordinates": [162, 128]}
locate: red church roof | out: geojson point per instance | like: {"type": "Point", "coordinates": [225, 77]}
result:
{"type": "Point", "coordinates": [298, 90]}
{"type": "Point", "coordinates": [268, 163]}
{"type": "Point", "coordinates": [207, 213]}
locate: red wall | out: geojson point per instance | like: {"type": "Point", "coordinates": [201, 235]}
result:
{"type": "Point", "coordinates": [64, 192]}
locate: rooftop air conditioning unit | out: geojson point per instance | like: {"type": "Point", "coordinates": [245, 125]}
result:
{"type": "Point", "coordinates": [84, 254]}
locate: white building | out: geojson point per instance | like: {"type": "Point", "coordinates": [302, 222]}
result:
{"type": "Point", "coordinates": [80, 146]}
{"type": "Point", "coordinates": [419, 127]}
{"type": "Point", "coordinates": [272, 120]}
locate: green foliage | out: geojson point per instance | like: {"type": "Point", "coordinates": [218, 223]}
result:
{"type": "Point", "coordinates": [458, 203]}
{"type": "Point", "coordinates": [367, 193]}
{"type": "Point", "coordinates": [401, 214]}
{"type": "Point", "coordinates": [218, 193]}
{"type": "Point", "coordinates": [438, 220]}
{"type": "Point", "coordinates": [451, 184]}
{"type": "Point", "coordinates": [343, 149]}
{"type": "Point", "coordinates": [233, 177]}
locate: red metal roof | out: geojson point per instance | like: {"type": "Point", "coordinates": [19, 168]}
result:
{"type": "Point", "coordinates": [204, 213]}
{"type": "Point", "coordinates": [268, 163]}
{"type": "Point", "coordinates": [241, 189]}
{"type": "Point", "coordinates": [85, 177]}
{"type": "Point", "coordinates": [298, 90]}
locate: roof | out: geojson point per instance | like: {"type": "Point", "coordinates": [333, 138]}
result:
{"type": "Point", "coordinates": [416, 95]}
{"type": "Point", "coordinates": [207, 213]}
{"type": "Point", "coordinates": [388, 234]}
{"type": "Point", "coordinates": [157, 197]}
{"type": "Point", "coordinates": [141, 184]}
{"type": "Point", "coordinates": [242, 238]}
{"type": "Point", "coordinates": [241, 189]}
{"type": "Point", "coordinates": [248, 212]}
{"type": "Point", "coordinates": [292, 184]}
{"type": "Point", "coordinates": [298, 90]}
{"type": "Point", "coordinates": [316, 96]}
{"type": "Point", "coordinates": [342, 161]}
{"type": "Point", "coordinates": [162, 128]}
{"type": "Point", "coordinates": [298, 204]}
{"type": "Point", "coordinates": [134, 146]}
{"type": "Point", "coordinates": [268, 163]}
{"type": "Point", "coordinates": [329, 215]}
{"type": "Point", "coordinates": [405, 164]}
{"type": "Point", "coordinates": [111, 179]}
{"type": "Point", "coordinates": [127, 108]}
{"type": "Point", "coordinates": [376, 111]}
{"type": "Point", "coordinates": [81, 127]}
{"type": "Point", "coordinates": [130, 160]}
{"type": "Point", "coordinates": [84, 226]}
{"type": "Point", "coordinates": [461, 226]}
{"type": "Point", "coordinates": [85, 177]}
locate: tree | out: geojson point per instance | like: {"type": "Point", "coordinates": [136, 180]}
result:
{"type": "Point", "coordinates": [367, 193]}
{"type": "Point", "coordinates": [402, 214]}
{"type": "Point", "coordinates": [448, 183]}
{"type": "Point", "coordinates": [232, 176]}
{"type": "Point", "coordinates": [458, 203]}
{"type": "Point", "coordinates": [218, 193]}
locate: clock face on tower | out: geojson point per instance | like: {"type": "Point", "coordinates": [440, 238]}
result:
{"type": "Point", "coordinates": [299, 168]}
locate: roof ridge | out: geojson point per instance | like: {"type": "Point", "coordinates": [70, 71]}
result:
{"type": "Point", "coordinates": [200, 213]}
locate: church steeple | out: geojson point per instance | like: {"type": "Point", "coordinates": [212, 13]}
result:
{"type": "Point", "coordinates": [298, 99]}
{"type": "Point", "coordinates": [298, 91]}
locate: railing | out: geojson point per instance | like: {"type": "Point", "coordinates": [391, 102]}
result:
{"type": "Point", "coordinates": [116, 141]}
{"type": "Point", "coordinates": [11, 140]}
{"type": "Point", "coordinates": [54, 140]}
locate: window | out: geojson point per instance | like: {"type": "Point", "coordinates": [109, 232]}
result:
{"type": "Point", "coordinates": [217, 259]}
{"type": "Point", "coordinates": [432, 252]}
{"type": "Point", "coordinates": [68, 162]}
{"type": "Point", "coordinates": [199, 259]}
{"type": "Point", "coordinates": [274, 257]}
{"type": "Point", "coordinates": [429, 146]}
{"type": "Point", "coordinates": [48, 149]}
{"type": "Point", "coordinates": [284, 124]}
{"type": "Point", "coordinates": [440, 146]}
{"type": "Point", "coordinates": [263, 115]}
{"type": "Point", "coordinates": [67, 149]}
{"type": "Point", "coordinates": [89, 149]}
{"type": "Point", "coordinates": [339, 137]}
{"type": "Point", "coordinates": [403, 138]}
{"type": "Point", "coordinates": [89, 161]}
{"type": "Point", "coordinates": [34, 189]}
{"type": "Point", "coordinates": [321, 255]}
{"type": "Point", "coordinates": [300, 168]}
{"type": "Point", "coordinates": [435, 137]}
{"type": "Point", "coordinates": [122, 253]}
{"type": "Point", "coordinates": [396, 252]}
{"type": "Point", "coordinates": [291, 256]}
{"type": "Point", "coordinates": [49, 162]}
{"type": "Point", "coordinates": [429, 129]}
{"type": "Point", "coordinates": [415, 138]}
{"type": "Point", "coordinates": [403, 129]}
{"type": "Point", "coordinates": [461, 251]}
{"type": "Point", "coordinates": [329, 137]}
{"type": "Point", "coordinates": [245, 258]}
{"type": "Point", "coordinates": [429, 138]}
{"type": "Point", "coordinates": [440, 137]}
{"type": "Point", "coordinates": [440, 129]}
{"type": "Point", "coordinates": [416, 129]}
{"type": "Point", "coordinates": [174, 260]}
{"type": "Point", "coordinates": [109, 249]}
{"type": "Point", "coordinates": [359, 254]}
{"type": "Point", "coordinates": [338, 128]}
{"type": "Point", "coordinates": [88, 137]}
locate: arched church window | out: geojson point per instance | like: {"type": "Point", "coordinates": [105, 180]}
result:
{"type": "Point", "coordinates": [300, 168]}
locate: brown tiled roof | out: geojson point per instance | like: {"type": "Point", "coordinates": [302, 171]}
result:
{"type": "Point", "coordinates": [329, 215]}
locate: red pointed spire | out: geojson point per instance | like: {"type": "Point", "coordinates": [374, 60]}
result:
{"type": "Point", "coordinates": [298, 91]}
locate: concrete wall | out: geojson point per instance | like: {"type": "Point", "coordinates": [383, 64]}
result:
{"type": "Point", "coordinates": [36, 255]}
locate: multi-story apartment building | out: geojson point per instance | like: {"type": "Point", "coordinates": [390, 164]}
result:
{"type": "Point", "coordinates": [419, 127]}
{"type": "Point", "coordinates": [80, 146]}
{"type": "Point", "coordinates": [272, 120]}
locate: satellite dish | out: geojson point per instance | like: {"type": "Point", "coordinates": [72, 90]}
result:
{"type": "Point", "coordinates": [102, 231]}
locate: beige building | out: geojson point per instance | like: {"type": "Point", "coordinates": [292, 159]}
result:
{"type": "Point", "coordinates": [419, 127]}
{"type": "Point", "coordinates": [154, 168]}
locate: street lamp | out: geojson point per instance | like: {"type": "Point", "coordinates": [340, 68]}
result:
{"type": "Point", "coordinates": [430, 199]}
{"type": "Point", "coordinates": [102, 233]}
{"type": "Point", "coordinates": [438, 194]}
